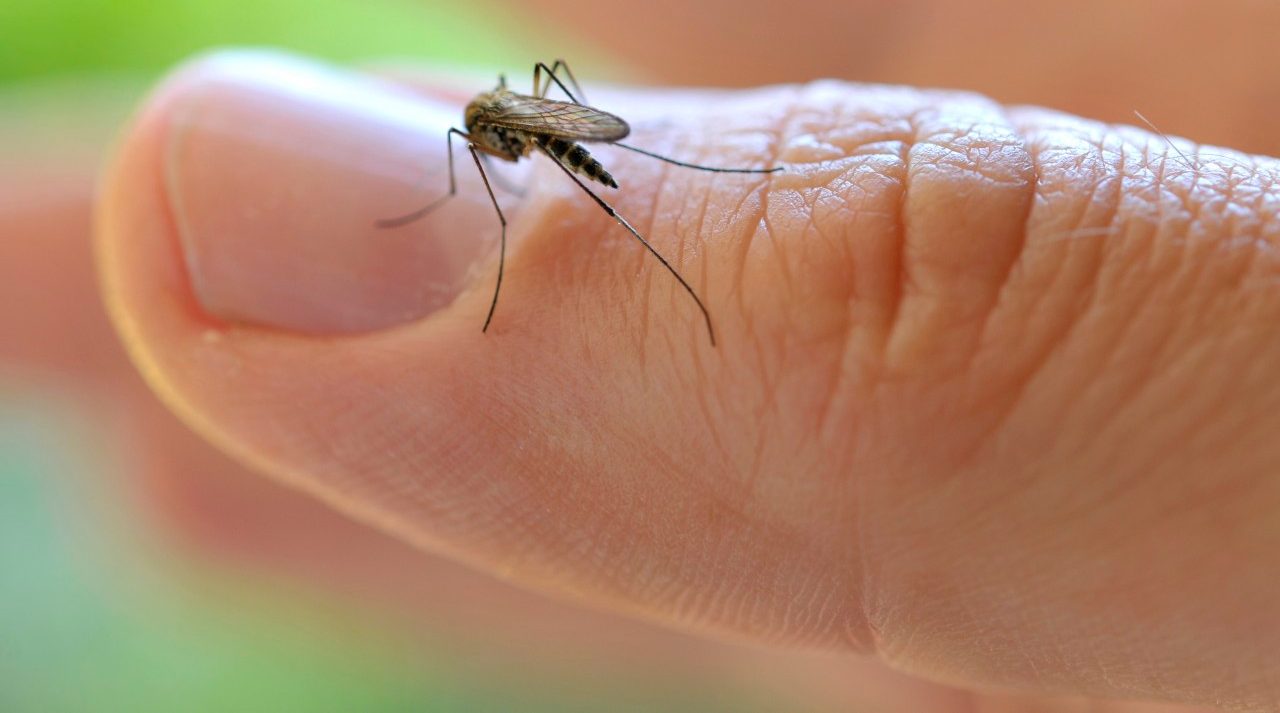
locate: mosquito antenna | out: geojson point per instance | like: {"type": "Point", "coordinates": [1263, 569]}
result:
{"type": "Point", "coordinates": [706, 316]}
{"type": "Point", "coordinates": [453, 189]}
{"type": "Point", "coordinates": [1166, 138]}
{"type": "Point", "coordinates": [713, 169]}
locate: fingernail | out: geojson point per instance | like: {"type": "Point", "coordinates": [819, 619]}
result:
{"type": "Point", "coordinates": [276, 171]}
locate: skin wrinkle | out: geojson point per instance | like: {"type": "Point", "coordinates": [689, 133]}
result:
{"type": "Point", "coordinates": [904, 282]}
{"type": "Point", "coordinates": [1164, 187]}
{"type": "Point", "coordinates": [839, 187]}
{"type": "Point", "coordinates": [1187, 434]}
{"type": "Point", "coordinates": [711, 188]}
{"type": "Point", "coordinates": [838, 366]}
{"type": "Point", "coordinates": [813, 229]}
{"type": "Point", "coordinates": [1079, 159]}
{"type": "Point", "coordinates": [1159, 349]}
{"type": "Point", "coordinates": [831, 611]}
{"type": "Point", "coordinates": [642, 337]}
{"type": "Point", "coordinates": [1256, 234]}
{"type": "Point", "coordinates": [841, 364]}
{"type": "Point", "coordinates": [986, 153]}
{"type": "Point", "coordinates": [1027, 379]}
{"type": "Point", "coordinates": [751, 607]}
{"type": "Point", "coordinates": [965, 153]}
{"type": "Point", "coordinates": [782, 130]}
{"type": "Point", "coordinates": [737, 284]}
{"type": "Point", "coordinates": [1223, 396]}
{"type": "Point", "coordinates": [771, 415]}
{"type": "Point", "coordinates": [502, 502]}
{"type": "Point", "coordinates": [1021, 382]}
{"type": "Point", "coordinates": [637, 272]}
{"type": "Point", "coordinates": [778, 249]}
{"type": "Point", "coordinates": [1006, 281]}
{"type": "Point", "coordinates": [769, 407]}
{"type": "Point", "coordinates": [604, 548]}
{"type": "Point", "coordinates": [677, 250]}
{"type": "Point", "coordinates": [434, 506]}
{"type": "Point", "coordinates": [700, 370]}
{"type": "Point", "coordinates": [772, 532]}
{"type": "Point", "coordinates": [924, 297]}
{"type": "Point", "coordinates": [703, 401]}
{"type": "Point", "coordinates": [1093, 290]}
{"type": "Point", "coordinates": [771, 376]}
{"type": "Point", "coordinates": [1115, 497]}
{"type": "Point", "coordinates": [853, 560]}
{"type": "Point", "coordinates": [762, 370]}
{"type": "Point", "coordinates": [1051, 286]}
{"type": "Point", "coordinates": [736, 288]}
{"type": "Point", "coordinates": [543, 211]}
{"type": "Point", "coordinates": [645, 302]}
{"type": "Point", "coordinates": [698, 231]}
{"type": "Point", "coordinates": [1133, 395]}
{"type": "Point", "coordinates": [600, 237]}
{"type": "Point", "coordinates": [500, 424]}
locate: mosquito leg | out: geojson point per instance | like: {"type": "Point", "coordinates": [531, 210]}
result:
{"type": "Point", "coordinates": [501, 181]}
{"type": "Point", "coordinates": [572, 79]}
{"type": "Point", "coordinates": [660, 157]}
{"type": "Point", "coordinates": [418, 214]}
{"type": "Point", "coordinates": [540, 89]}
{"type": "Point", "coordinates": [706, 316]}
{"type": "Point", "coordinates": [582, 97]}
{"type": "Point", "coordinates": [502, 250]}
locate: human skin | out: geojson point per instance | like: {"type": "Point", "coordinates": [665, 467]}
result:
{"type": "Point", "coordinates": [992, 398]}
{"type": "Point", "coordinates": [203, 506]}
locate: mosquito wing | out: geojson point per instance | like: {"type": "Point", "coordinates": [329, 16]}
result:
{"type": "Point", "coordinates": [574, 122]}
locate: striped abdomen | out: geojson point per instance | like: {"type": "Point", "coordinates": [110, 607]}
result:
{"type": "Point", "coordinates": [578, 159]}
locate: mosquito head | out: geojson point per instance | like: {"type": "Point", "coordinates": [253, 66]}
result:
{"type": "Point", "coordinates": [477, 108]}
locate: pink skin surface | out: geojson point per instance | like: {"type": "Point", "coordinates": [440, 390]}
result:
{"type": "Point", "coordinates": [993, 399]}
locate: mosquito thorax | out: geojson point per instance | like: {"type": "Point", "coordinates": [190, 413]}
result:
{"type": "Point", "coordinates": [485, 103]}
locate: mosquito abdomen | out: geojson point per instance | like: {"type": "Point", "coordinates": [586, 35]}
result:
{"type": "Point", "coordinates": [578, 159]}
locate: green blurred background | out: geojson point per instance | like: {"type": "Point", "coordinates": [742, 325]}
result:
{"type": "Point", "coordinates": [141, 37]}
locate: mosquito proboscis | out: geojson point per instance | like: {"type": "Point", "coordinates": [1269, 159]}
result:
{"type": "Point", "coordinates": [510, 126]}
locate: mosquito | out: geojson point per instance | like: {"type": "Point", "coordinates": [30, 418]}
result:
{"type": "Point", "coordinates": [511, 126]}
